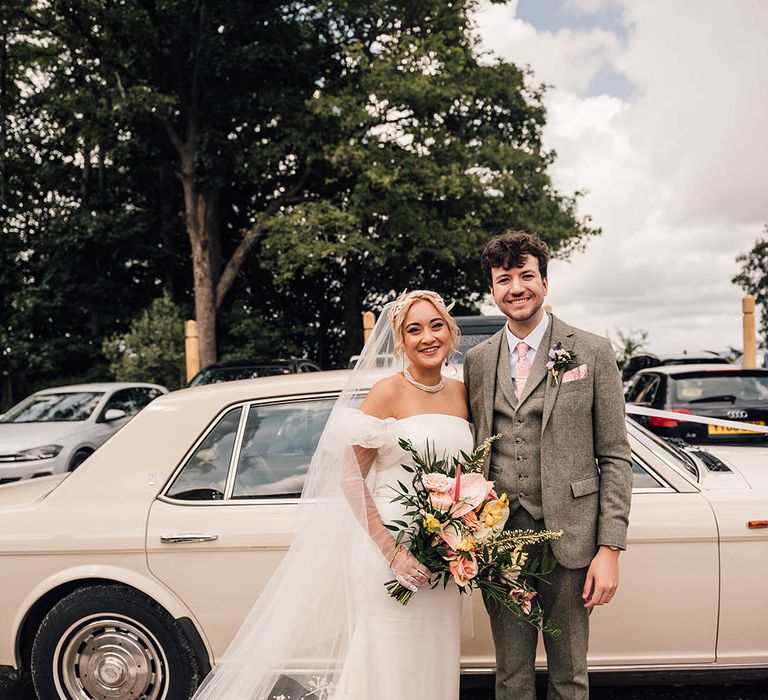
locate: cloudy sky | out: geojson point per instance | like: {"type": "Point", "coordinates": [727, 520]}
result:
{"type": "Point", "coordinates": [660, 110]}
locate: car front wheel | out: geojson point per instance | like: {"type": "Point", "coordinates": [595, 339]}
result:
{"type": "Point", "coordinates": [109, 641]}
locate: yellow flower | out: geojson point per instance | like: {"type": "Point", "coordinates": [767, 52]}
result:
{"type": "Point", "coordinates": [467, 544]}
{"type": "Point", "coordinates": [495, 512]}
{"type": "Point", "coordinates": [431, 523]}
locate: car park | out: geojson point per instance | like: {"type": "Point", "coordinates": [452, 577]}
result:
{"type": "Point", "coordinates": [129, 577]}
{"type": "Point", "coordinates": [234, 370]}
{"type": "Point", "coordinates": [728, 392]}
{"type": "Point", "coordinates": [57, 429]}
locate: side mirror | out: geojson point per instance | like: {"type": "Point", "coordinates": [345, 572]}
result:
{"type": "Point", "coordinates": [114, 414]}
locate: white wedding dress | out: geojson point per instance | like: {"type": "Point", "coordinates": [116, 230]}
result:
{"type": "Point", "coordinates": [401, 651]}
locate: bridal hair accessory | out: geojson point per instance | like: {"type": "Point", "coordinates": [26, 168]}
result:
{"type": "Point", "coordinates": [430, 389]}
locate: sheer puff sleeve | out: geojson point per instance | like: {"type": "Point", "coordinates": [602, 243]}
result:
{"type": "Point", "coordinates": [368, 439]}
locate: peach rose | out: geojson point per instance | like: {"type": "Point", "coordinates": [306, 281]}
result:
{"type": "Point", "coordinates": [441, 501]}
{"type": "Point", "coordinates": [471, 521]}
{"type": "Point", "coordinates": [439, 483]}
{"type": "Point", "coordinates": [463, 570]}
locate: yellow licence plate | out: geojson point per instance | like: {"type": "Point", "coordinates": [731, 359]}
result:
{"type": "Point", "coordinates": [722, 430]}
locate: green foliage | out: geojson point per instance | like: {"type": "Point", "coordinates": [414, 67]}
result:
{"type": "Point", "coordinates": [628, 343]}
{"type": "Point", "coordinates": [753, 278]}
{"type": "Point", "coordinates": [343, 150]}
{"type": "Point", "coordinates": [152, 350]}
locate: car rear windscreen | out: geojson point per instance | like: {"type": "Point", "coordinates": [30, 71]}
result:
{"type": "Point", "coordinates": [711, 387]}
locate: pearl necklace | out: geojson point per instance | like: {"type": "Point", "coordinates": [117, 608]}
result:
{"type": "Point", "coordinates": [433, 389]}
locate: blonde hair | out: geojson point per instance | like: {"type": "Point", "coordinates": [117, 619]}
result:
{"type": "Point", "coordinates": [400, 309]}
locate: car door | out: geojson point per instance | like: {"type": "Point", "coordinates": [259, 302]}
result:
{"type": "Point", "coordinates": [666, 609]}
{"type": "Point", "coordinates": [226, 518]}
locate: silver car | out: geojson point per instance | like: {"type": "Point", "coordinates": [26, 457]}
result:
{"type": "Point", "coordinates": [55, 430]}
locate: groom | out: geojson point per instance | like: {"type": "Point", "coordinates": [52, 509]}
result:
{"type": "Point", "coordinates": [563, 460]}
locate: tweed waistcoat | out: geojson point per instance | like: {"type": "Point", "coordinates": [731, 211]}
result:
{"type": "Point", "coordinates": [516, 457]}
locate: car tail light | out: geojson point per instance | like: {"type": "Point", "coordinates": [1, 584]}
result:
{"type": "Point", "coordinates": [658, 422]}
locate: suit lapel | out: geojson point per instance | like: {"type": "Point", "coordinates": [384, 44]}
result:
{"type": "Point", "coordinates": [563, 333]}
{"type": "Point", "coordinates": [488, 368]}
{"type": "Point", "coordinates": [504, 373]}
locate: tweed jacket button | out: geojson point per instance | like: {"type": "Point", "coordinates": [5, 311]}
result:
{"type": "Point", "coordinates": [518, 440]}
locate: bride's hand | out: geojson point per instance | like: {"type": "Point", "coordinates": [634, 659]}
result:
{"type": "Point", "coordinates": [408, 571]}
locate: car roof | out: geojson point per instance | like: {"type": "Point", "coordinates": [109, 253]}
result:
{"type": "Point", "coordinates": [99, 386]}
{"type": "Point", "coordinates": [266, 387]}
{"type": "Point", "coordinates": [467, 323]}
{"type": "Point", "coordinates": [701, 368]}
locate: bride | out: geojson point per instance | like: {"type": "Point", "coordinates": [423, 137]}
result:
{"type": "Point", "coordinates": [324, 627]}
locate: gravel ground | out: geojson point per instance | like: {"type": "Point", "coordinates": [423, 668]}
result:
{"type": "Point", "coordinates": [11, 689]}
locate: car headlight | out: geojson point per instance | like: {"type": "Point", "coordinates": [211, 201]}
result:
{"type": "Point", "coordinates": [44, 452]}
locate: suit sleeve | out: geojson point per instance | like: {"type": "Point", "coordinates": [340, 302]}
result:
{"type": "Point", "coordinates": [466, 372]}
{"type": "Point", "coordinates": [612, 450]}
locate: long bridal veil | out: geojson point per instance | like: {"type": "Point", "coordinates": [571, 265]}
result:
{"type": "Point", "coordinates": [295, 640]}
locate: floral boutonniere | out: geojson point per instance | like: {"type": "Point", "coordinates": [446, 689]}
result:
{"type": "Point", "coordinates": [559, 359]}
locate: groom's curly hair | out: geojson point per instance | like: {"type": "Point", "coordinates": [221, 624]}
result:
{"type": "Point", "coordinates": [509, 250]}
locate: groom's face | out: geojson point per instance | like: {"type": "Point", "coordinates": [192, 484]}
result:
{"type": "Point", "coordinates": [519, 292]}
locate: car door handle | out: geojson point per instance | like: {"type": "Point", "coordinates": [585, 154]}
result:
{"type": "Point", "coordinates": [189, 537]}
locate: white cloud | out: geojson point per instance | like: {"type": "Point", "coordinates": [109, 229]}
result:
{"type": "Point", "coordinates": [676, 175]}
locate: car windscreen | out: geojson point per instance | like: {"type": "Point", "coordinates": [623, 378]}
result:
{"type": "Point", "coordinates": [49, 408]}
{"type": "Point", "coordinates": [713, 387]}
{"type": "Point", "coordinates": [232, 374]}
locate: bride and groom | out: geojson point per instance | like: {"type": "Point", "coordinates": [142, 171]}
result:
{"type": "Point", "coordinates": [555, 395]}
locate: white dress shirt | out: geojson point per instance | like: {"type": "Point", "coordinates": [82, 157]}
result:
{"type": "Point", "coordinates": [532, 340]}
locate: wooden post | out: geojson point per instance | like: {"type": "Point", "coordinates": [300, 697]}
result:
{"type": "Point", "coordinates": [369, 321]}
{"type": "Point", "coordinates": [191, 348]}
{"type": "Point", "coordinates": [750, 346]}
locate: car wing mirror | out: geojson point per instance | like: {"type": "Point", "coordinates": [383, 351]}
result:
{"type": "Point", "coordinates": [113, 414]}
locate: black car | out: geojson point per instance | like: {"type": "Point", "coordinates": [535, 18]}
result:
{"type": "Point", "coordinates": [717, 391]}
{"type": "Point", "coordinates": [646, 360]}
{"type": "Point", "coordinates": [248, 369]}
{"type": "Point", "coordinates": [476, 329]}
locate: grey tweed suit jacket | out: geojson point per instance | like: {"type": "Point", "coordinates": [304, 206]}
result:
{"type": "Point", "coordinates": [586, 473]}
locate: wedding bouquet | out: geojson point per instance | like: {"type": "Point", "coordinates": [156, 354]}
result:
{"type": "Point", "coordinates": [455, 528]}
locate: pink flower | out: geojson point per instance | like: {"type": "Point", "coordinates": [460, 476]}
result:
{"type": "Point", "coordinates": [439, 483]}
{"type": "Point", "coordinates": [471, 521]}
{"type": "Point", "coordinates": [523, 598]}
{"type": "Point", "coordinates": [463, 569]}
{"type": "Point", "coordinates": [451, 535]}
{"type": "Point", "coordinates": [440, 501]}
{"type": "Point", "coordinates": [474, 490]}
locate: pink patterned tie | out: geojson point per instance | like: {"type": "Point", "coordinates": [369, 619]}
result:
{"type": "Point", "coordinates": [522, 368]}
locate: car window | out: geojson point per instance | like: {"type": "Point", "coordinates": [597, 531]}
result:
{"type": "Point", "coordinates": [130, 400]}
{"type": "Point", "coordinates": [277, 446]}
{"type": "Point", "coordinates": [714, 387]}
{"type": "Point", "coordinates": [204, 476]}
{"type": "Point", "coordinates": [642, 478]}
{"type": "Point", "coordinates": [47, 408]}
{"type": "Point", "coordinates": [638, 385]}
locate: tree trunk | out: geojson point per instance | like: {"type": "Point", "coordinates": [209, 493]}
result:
{"type": "Point", "coordinates": [196, 221]}
{"type": "Point", "coordinates": [353, 308]}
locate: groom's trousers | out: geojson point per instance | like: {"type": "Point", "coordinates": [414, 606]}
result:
{"type": "Point", "coordinates": [516, 642]}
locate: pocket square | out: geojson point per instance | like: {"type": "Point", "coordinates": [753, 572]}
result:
{"type": "Point", "coordinates": [572, 375]}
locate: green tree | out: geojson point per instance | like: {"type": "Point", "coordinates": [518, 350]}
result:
{"type": "Point", "coordinates": [753, 278]}
{"type": "Point", "coordinates": [627, 344]}
{"type": "Point", "coordinates": [152, 350]}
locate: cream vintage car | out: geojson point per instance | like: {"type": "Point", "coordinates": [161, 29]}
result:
{"type": "Point", "coordinates": [128, 577]}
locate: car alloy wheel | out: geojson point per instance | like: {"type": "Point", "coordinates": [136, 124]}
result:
{"type": "Point", "coordinates": [110, 642]}
{"type": "Point", "coordinates": [105, 656]}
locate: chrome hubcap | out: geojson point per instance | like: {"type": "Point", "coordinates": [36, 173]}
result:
{"type": "Point", "coordinates": [110, 658]}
